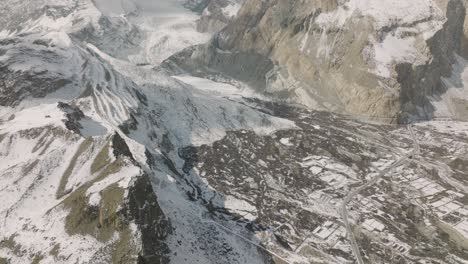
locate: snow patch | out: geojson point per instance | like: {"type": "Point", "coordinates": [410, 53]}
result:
{"type": "Point", "coordinates": [424, 16]}
{"type": "Point", "coordinates": [50, 115]}
{"type": "Point", "coordinates": [392, 49]}
{"type": "Point", "coordinates": [94, 199]}
{"type": "Point", "coordinates": [231, 10]}
{"type": "Point", "coordinates": [240, 207]}
{"type": "Point", "coordinates": [286, 142]}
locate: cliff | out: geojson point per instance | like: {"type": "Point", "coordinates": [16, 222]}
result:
{"type": "Point", "coordinates": [382, 59]}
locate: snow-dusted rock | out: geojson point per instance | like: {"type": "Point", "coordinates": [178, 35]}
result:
{"type": "Point", "coordinates": [107, 157]}
{"type": "Point", "coordinates": [381, 59]}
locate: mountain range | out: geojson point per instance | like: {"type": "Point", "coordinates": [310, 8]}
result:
{"type": "Point", "coordinates": [233, 131]}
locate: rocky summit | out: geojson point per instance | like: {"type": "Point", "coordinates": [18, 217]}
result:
{"type": "Point", "coordinates": [233, 131]}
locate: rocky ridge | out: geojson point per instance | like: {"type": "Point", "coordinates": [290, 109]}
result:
{"type": "Point", "coordinates": [81, 144]}
{"type": "Point", "coordinates": [362, 58]}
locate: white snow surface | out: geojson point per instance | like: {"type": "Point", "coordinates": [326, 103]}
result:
{"type": "Point", "coordinates": [217, 88]}
{"type": "Point", "coordinates": [393, 49]}
{"type": "Point", "coordinates": [231, 9]}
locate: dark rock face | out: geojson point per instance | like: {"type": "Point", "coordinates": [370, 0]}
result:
{"type": "Point", "coordinates": [28, 68]}
{"type": "Point", "coordinates": [420, 83]}
{"type": "Point", "coordinates": [129, 125]}
{"type": "Point", "coordinates": [153, 225]}
{"type": "Point", "coordinates": [17, 85]}
{"type": "Point", "coordinates": [190, 156]}
{"type": "Point", "coordinates": [144, 210]}
{"type": "Point", "coordinates": [121, 148]}
{"type": "Point", "coordinates": [73, 116]}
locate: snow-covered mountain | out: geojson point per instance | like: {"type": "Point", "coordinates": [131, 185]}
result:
{"type": "Point", "coordinates": [369, 58]}
{"type": "Point", "coordinates": [80, 139]}
{"type": "Point", "coordinates": [141, 131]}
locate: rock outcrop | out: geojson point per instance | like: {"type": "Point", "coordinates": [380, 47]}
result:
{"type": "Point", "coordinates": [381, 60]}
{"type": "Point", "coordinates": [84, 137]}
{"type": "Point", "coordinates": [217, 14]}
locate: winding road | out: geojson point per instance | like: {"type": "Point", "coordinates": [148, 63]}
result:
{"type": "Point", "coordinates": [355, 192]}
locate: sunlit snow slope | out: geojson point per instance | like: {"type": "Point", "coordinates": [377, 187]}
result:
{"type": "Point", "coordinates": [83, 129]}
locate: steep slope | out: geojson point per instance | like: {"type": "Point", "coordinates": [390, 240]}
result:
{"type": "Point", "coordinates": [78, 146]}
{"type": "Point", "coordinates": [108, 158]}
{"type": "Point", "coordinates": [73, 191]}
{"type": "Point", "coordinates": [369, 58]}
